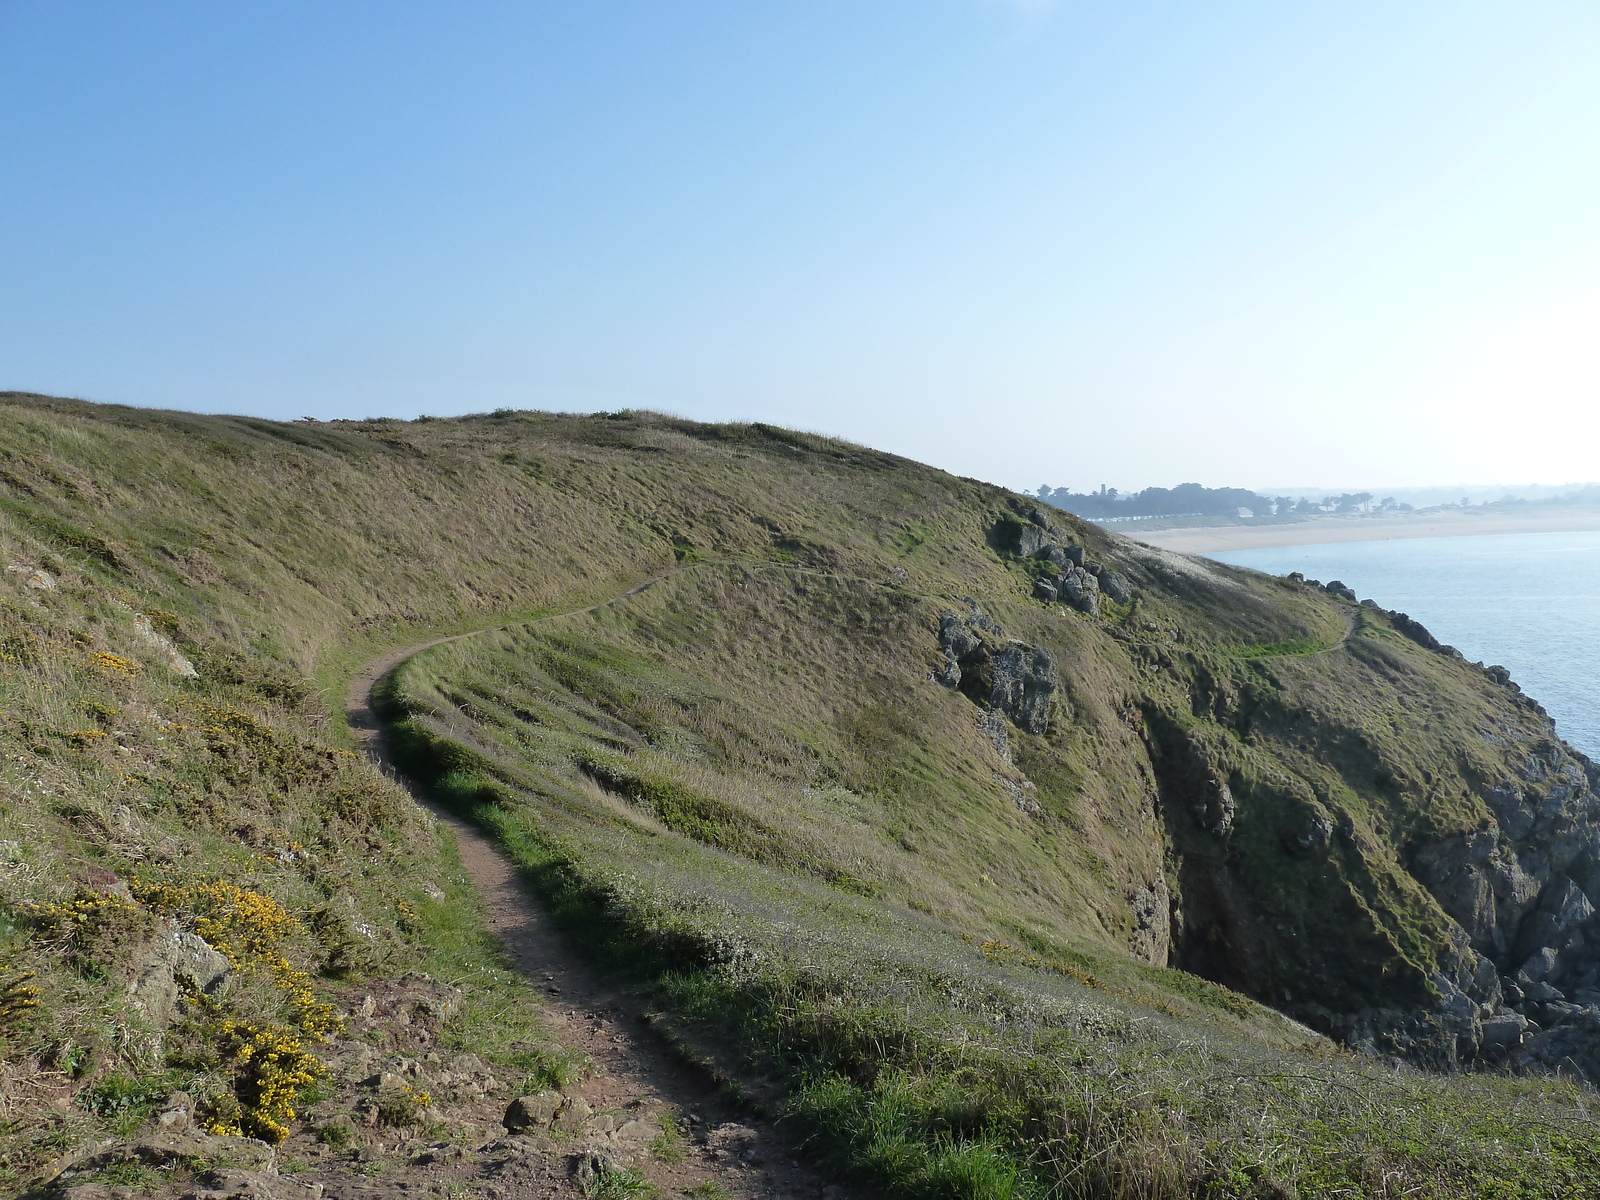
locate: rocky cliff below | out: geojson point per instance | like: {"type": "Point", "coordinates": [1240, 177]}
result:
{"type": "Point", "coordinates": [1386, 840]}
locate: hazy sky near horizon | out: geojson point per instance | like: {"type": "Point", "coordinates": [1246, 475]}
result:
{"type": "Point", "coordinates": [1070, 243]}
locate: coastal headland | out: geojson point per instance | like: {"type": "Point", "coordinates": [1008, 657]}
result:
{"type": "Point", "coordinates": [614, 804]}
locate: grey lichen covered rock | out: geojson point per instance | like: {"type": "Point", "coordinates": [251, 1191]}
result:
{"type": "Point", "coordinates": [1009, 676]}
{"type": "Point", "coordinates": [1213, 805]}
{"type": "Point", "coordinates": [175, 961]}
{"type": "Point", "coordinates": [1477, 879]}
{"type": "Point", "coordinates": [1116, 586]}
{"type": "Point", "coordinates": [1080, 589]}
{"type": "Point", "coordinates": [1031, 539]}
{"type": "Point", "coordinates": [962, 643]}
{"type": "Point", "coordinates": [1523, 889]}
{"type": "Point", "coordinates": [1024, 685]}
{"type": "Point", "coordinates": [993, 725]}
{"type": "Point", "coordinates": [1503, 1031]}
{"type": "Point", "coordinates": [1151, 909]}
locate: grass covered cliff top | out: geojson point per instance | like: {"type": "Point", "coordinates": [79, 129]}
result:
{"type": "Point", "coordinates": [990, 960]}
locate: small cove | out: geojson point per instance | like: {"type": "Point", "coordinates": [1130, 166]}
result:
{"type": "Point", "coordinates": [1530, 602]}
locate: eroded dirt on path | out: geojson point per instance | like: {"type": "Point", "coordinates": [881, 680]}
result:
{"type": "Point", "coordinates": [724, 1150]}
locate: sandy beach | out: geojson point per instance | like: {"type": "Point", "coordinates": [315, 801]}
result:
{"type": "Point", "coordinates": [1371, 527]}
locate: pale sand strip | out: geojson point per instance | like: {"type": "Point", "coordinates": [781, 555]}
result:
{"type": "Point", "coordinates": [1369, 528]}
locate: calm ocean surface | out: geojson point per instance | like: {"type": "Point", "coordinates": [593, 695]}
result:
{"type": "Point", "coordinates": [1528, 601]}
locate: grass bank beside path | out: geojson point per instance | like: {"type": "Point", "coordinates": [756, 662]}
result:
{"type": "Point", "coordinates": [656, 769]}
{"type": "Point", "coordinates": [343, 664]}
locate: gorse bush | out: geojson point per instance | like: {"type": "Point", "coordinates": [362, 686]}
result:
{"type": "Point", "coordinates": [248, 929]}
{"type": "Point", "coordinates": [271, 1063]}
{"type": "Point", "coordinates": [271, 1067]}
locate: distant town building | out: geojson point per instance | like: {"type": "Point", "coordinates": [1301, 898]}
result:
{"type": "Point", "coordinates": [1244, 512]}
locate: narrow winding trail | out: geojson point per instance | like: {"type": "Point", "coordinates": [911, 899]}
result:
{"type": "Point", "coordinates": [744, 1157]}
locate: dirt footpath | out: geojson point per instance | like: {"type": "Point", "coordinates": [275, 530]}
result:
{"type": "Point", "coordinates": [723, 1151]}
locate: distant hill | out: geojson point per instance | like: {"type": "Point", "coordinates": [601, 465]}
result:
{"type": "Point", "coordinates": [1190, 500]}
{"type": "Point", "coordinates": [1195, 500]}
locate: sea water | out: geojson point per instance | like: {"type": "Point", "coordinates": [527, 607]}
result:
{"type": "Point", "coordinates": [1528, 601]}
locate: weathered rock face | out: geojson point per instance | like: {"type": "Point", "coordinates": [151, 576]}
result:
{"type": "Point", "coordinates": [1523, 891]}
{"type": "Point", "coordinates": [1116, 586]}
{"type": "Point", "coordinates": [1024, 685]}
{"type": "Point", "coordinates": [175, 960]}
{"type": "Point", "coordinates": [1518, 978]}
{"type": "Point", "coordinates": [1151, 908]}
{"type": "Point", "coordinates": [1008, 676]}
{"type": "Point", "coordinates": [1079, 582]}
{"type": "Point", "coordinates": [1080, 589]}
{"type": "Point", "coordinates": [1033, 541]}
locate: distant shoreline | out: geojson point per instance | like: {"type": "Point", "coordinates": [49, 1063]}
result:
{"type": "Point", "coordinates": [1368, 527]}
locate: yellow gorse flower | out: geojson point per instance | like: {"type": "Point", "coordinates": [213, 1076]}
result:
{"type": "Point", "coordinates": [246, 927]}
{"type": "Point", "coordinates": [115, 662]}
{"type": "Point", "coordinates": [66, 915]}
{"type": "Point", "coordinates": [273, 1066]}
{"type": "Point", "coordinates": [271, 1062]}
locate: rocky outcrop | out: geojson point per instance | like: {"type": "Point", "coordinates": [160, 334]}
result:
{"type": "Point", "coordinates": [1524, 890]}
{"type": "Point", "coordinates": [1464, 1021]}
{"type": "Point", "coordinates": [1116, 586]}
{"type": "Point", "coordinates": [1477, 879]}
{"type": "Point", "coordinates": [175, 961]}
{"type": "Point", "coordinates": [1517, 980]}
{"type": "Point", "coordinates": [1005, 675]}
{"type": "Point", "coordinates": [1151, 909]}
{"type": "Point", "coordinates": [1025, 683]}
{"type": "Point", "coordinates": [1033, 542]}
{"type": "Point", "coordinates": [960, 637]}
{"type": "Point", "coordinates": [1403, 624]}
{"type": "Point", "coordinates": [1075, 581]}
{"type": "Point", "coordinates": [1080, 589]}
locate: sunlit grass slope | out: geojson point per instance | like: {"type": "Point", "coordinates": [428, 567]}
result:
{"type": "Point", "coordinates": [742, 785]}
{"type": "Point", "coordinates": [743, 782]}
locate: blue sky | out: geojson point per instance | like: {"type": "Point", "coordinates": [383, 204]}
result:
{"type": "Point", "coordinates": [1076, 243]}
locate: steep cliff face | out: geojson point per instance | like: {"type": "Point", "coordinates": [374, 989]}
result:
{"type": "Point", "coordinates": [1359, 827]}
{"type": "Point", "coordinates": [1379, 837]}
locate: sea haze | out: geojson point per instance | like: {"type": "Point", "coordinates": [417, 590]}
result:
{"type": "Point", "coordinates": [1529, 601]}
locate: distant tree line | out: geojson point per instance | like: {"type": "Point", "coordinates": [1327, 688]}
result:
{"type": "Point", "coordinates": [1191, 499]}
{"type": "Point", "coordinates": [1589, 494]}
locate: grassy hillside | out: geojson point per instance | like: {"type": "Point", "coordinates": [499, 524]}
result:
{"type": "Point", "coordinates": [980, 958]}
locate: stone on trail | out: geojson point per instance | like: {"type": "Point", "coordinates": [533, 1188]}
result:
{"type": "Point", "coordinates": [532, 1112]}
